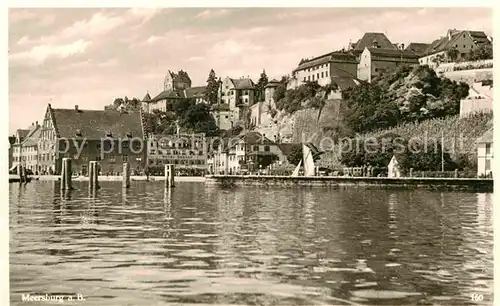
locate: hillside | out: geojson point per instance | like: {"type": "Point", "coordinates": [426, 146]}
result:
{"type": "Point", "coordinates": [410, 102]}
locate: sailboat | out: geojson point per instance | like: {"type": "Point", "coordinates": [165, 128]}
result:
{"type": "Point", "coordinates": [307, 157]}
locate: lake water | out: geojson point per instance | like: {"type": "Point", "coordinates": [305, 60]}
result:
{"type": "Point", "coordinates": [200, 244]}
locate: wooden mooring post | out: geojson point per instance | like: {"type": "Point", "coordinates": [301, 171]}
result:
{"type": "Point", "coordinates": [93, 175]}
{"type": "Point", "coordinates": [126, 175]}
{"type": "Point", "coordinates": [21, 171]}
{"type": "Point", "coordinates": [169, 176]}
{"type": "Point", "coordinates": [66, 174]}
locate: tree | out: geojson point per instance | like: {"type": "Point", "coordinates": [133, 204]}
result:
{"type": "Point", "coordinates": [212, 90]}
{"type": "Point", "coordinates": [482, 52]}
{"type": "Point", "coordinates": [452, 54]}
{"type": "Point", "coordinates": [279, 92]}
{"type": "Point", "coordinates": [118, 102]}
{"type": "Point", "coordinates": [295, 155]}
{"type": "Point", "coordinates": [261, 84]}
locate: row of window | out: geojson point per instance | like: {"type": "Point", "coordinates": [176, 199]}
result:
{"type": "Point", "coordinates": [175, 152]}
{"type": "Point", "coordinates": [323, 75]}
{"type": "Point", "coordinates": [177, 162]}
{"type": "Point", "coordinates": [232, 93]}
{"type": "Point", "coordinates": [316, 68]}
{"type": "Point", "coordinates": [41, 157]}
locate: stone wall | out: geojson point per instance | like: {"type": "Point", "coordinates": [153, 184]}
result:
{"type": "Point", "coordinates": [461, 184]}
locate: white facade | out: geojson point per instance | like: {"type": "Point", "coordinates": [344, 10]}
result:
{"type": "Point", "coordinates": [429, 59]}
{"type": "Point", "coordinates": [319, 73]}
{"type": "Point", "coordinates": [485, 158]}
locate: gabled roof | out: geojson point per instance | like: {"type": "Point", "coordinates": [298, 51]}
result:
{"type": "Point", "coordinates": [417, 48]}
{"type": "Point", "coordinates": [487, 137]}
{"type": "Point", "coordinates": [146, 98]}
{"type": "Point", "coordinates": [33, 137]}
{"type": "Point", "coordinates": [369, 38]}
{"type": "Point", "coordinates": [193, 92]}
{"type": "Point", "coordinates": [96, 124]}
{"type": "Point", "coordinates": [393, 53]}
{"type": "Point", "coordinates": [22, 133]}
{"type": "Point", "coordinates": [169, 94]}
{"type": "Point", "coordinates": [327, 58]}
{"type": "Point", "coordinates": [446, 42]}
{"type": "Point", "coordinates": [243, 83]}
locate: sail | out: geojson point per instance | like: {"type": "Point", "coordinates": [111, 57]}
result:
{"type": "Point", "coordinates": [296, 171]}
{"type": "Point", "coordinates": [309, 169]}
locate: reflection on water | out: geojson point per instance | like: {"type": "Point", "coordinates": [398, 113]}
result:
{"type": "Point", "coordinates": [251, 246]}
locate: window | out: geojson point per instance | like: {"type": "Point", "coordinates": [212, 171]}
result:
{"type": "Point", "coordinates": [125, 158]}
{"type": "Point", "coordinates": [317, 76]}
{"type": "Point", "coordinates": [266, 148]}
{"type": "Point", "coordinates": [313, 77]}
{"type": "Point", "coordinates": [255, 148]}
{"type": "Point", "coordinates": [488, 149]}
{"type": "Point", "coordinates": [308, 77]}
{"type": "Point", "coordinates": [464, 46]}
{"type": "Point", "coordinates": [322, 74]}
{"type": "Point", "coordinates": [304, 79]}
{"type": "Point", "coordinates": [487, 164]}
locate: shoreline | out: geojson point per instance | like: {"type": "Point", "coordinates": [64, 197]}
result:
{"type": "Point", "coordinates": [110, 178]}
{"type": "Point", "coordinates": [431, 183]}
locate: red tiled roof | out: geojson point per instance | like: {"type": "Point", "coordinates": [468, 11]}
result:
{"type": "Point", "coordinates": [96, 124]}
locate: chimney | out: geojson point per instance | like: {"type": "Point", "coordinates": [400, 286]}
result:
{"type": "Point", "coordinates": [76, 107]}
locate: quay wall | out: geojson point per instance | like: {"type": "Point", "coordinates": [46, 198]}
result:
{"type": "Point", "coordinates": [111, 178]}
{"type": "Point", "coordinates": [458, 184]}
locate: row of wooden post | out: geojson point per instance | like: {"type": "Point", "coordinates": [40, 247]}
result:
{"type": "Point", "coordinates": [66, 174]}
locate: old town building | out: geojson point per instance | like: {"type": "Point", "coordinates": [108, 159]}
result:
{"type": "Point", "coordinates": [185, 151]}
{"type": "Point", "coordinates": [463, 41]}
{"type": "Point", "coordinates": [321, 69]}
{"type": "Point", "coordinates": [110, 137]}
{"type": "Point", "coordinates": [248, 152]}
{"type": "Point", "coordinates": [375, 61]}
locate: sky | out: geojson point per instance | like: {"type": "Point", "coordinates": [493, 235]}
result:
{"type": "Point", "coordinates": [89, 57]}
